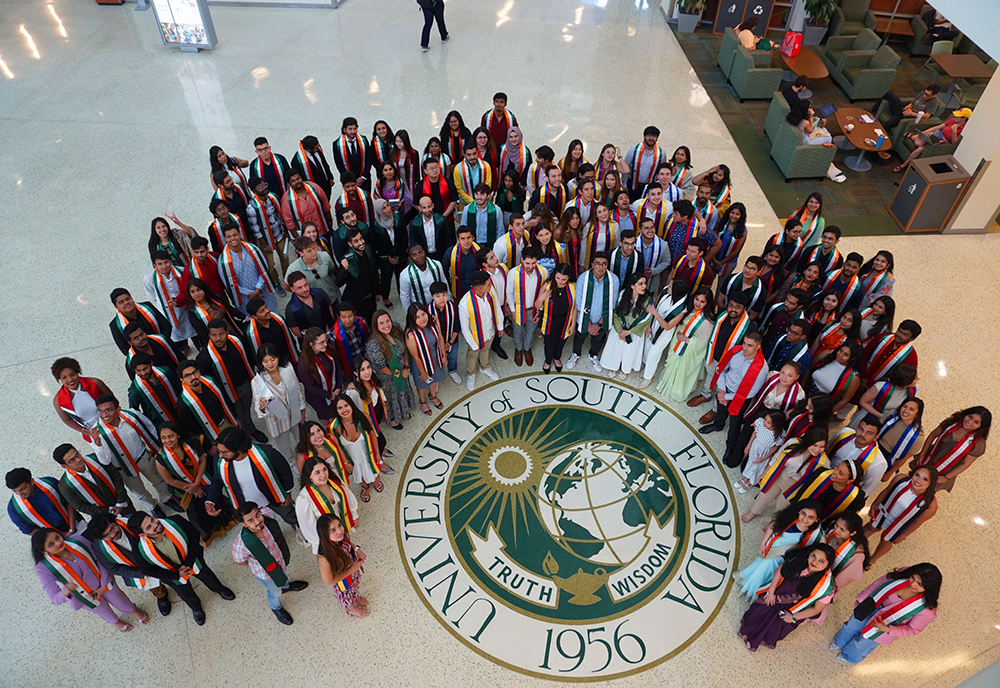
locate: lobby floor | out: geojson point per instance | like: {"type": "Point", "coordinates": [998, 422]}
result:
{"type": "Point", "coordinates": [105, 129]}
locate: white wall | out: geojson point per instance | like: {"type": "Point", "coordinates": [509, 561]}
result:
{"type": "Point", "coordinates": [977, 19]}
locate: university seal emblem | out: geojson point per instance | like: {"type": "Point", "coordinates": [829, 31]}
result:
{"type": "Point", "coordinates": [568, 527]}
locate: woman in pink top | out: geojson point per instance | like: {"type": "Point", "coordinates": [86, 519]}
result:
{"type": "Point", "coordinates": [901, 603]}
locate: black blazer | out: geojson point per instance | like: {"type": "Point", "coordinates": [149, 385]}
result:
{"type": "Point", "coordinates": [278, 462]}
{"type": "Point", "coordinates": [321, 174]}
{"type": "Point", "coordinates": [113, 567]}
{"type": "Point", "coordinates": [195, 552]}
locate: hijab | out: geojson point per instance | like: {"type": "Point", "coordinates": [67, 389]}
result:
{"type": "Point", "coordinates": [388, 223]}
{"type": "Point", "coordinates": [510, 156]}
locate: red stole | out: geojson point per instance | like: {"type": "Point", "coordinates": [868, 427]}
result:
{"type": "Point", "coordinates": [746, 384]}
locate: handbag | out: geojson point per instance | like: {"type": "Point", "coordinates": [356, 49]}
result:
{"type": "Point", "coordinates": [791, 44]}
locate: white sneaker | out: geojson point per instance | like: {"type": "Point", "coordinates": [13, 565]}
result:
{"type": "Point", "coordinates": [470, 382]}
{"type": "Point", "coordinates": [610, 373]}
{"type": "Point", "coordinates": [622, 376]}
{"type": "Point", "coordinates": [596, 362]}
{"type": "Point", "coordinates": [490, 373]}
{"type": "Point", "coordinates": [645, 383]}
{"type": "Point", "coordinates": [455, 377]}
{"type": "Point", "coordinates": [571, 361]}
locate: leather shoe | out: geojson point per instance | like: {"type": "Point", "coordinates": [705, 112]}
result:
{"type": "Point", "coordinates": [707, 429]}
{"type": "Point", "coordinates": [227, 594]}
{"type": "Point", "coordinates": [283, 616]}
{"type": "Point", "coordinates": [517, 358]}
{"type": "Point", "coordinates": [163, 604]}
{"type": "Point", "coordinates": [260, 437]}
{"type": "Point", "coordinates": [528, 358]}
{"type": "Point", "coordinates": [707, 418]}
{"type": "Point", "coordinates": [295, 586]}
{"type": "Point", "coordinates": [498, 350]}
{"type": "Point", "coordinates": [697, 401]}
{"type": "Point", "coordinates": [199, 617]}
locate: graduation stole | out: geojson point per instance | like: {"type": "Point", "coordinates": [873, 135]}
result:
{"type": "Point", "coordinates": [547, 311]}
{"type": "Point", "coordinates": [116, 554]}
{"type": "Point", "coordinates": [519, 162]}
{"type": "Point", "coordinates": [195, 267]}
{"type": "Point", "coordinates": [263, 555]}
{"type": "Point", "coordinates": [735, 339]}
{"type": "Point", "coordinates": [944, 463]}
{"type": "Point", "coordinates": [847, 292]}
{"type": "Point", "coordinates": [884, 393]}
{"type": "Point", "coordinates": [660, 219]}
{"type": "Point", "coordinates": [822, 317]}
{"type": "Point", "coordinates": [345, 202]}
{"type": "Point", "coordinates": [345, 584]}
{"type": "Point", "coordinates": [897, 357]}
{"type": "Point", "coordinates": [143, 312]}
{"type": "Point", "coordinates": [257, 169]}
{"type": "Point", "coordinates": [361, 143]}
{"type": "Point", "coordinates": [588, 300]}
{"type": "Point", "coordinates": [179, 539]}
{"type": "Point", "coordinates": [771, 312]}
{"type": "Point", "coordinates": [536, 174]}
{"type": "Point", "coordinates": [220, 367]}
{"type": "Point", "coordinates": [826, 264]}
{"type": "Point", "coordinates": [201, 312]}
{"type": "Point", "coordinates": [694, 321]}
{"type": "Point", "coordinates": [544, 191]}
{"type": "Point", "coordinates": [491, 221]}
{"type": "Point", "coordinates": [261, 466]}
{"type": "Point", "coordinates": [221, 194]}
{"type": "Point", "coordinates": [472, 175]}
{"type": "Point", "coordinates": [64, 572]}
{"type": "Point", "coordinates": [727, 241]}
{"type": "Point", "coordinates": [512, 247]}
{"type": "Point", "coordinates": [746, 384]}
{"type": "Point", "coordinates": [681, 176]}
{"type": "Point", "coordinates": [191, 400]}
{"type": "Point", "coordinates": [830, 338]}
{"type": "Point", "coordinates": [819, 484]}
{"type": "Point", "coordinates": [798, 425]}
{"type": "Point", "coordinates": [631, 263]}
{"type": "Point", "coordinates": [27, 511]}
{"type": "Point", "coordinates": [788, 400]}
{"type": "Point", "coordinates": [796, 352]}
{"type": "Point", "coordinates": [873, 281]}
{"type": "Point", "coordinates": [216, 229]}
{"type": "Point", "coordinates": [843, 384]}
{"type": "Point", "coordinates": [253, 332]}
{"type": "Point", "coordinates": [263, 220]}
{"type": "Point", "coordinates": [771, 475]}
{"type": "Point", "coordinates": [375, 401]}
{"type": "Point", "coordinates": [690, 230]}
{"type": "Point", "coordinates": [603, 167]}
{"type": "Point", "coordinates": [880, 512]}
{"type": "Point", "coordinates": [844, 551]}
{"type": "Point", "coordinates": [229, 271]}
{"type": "Point", "coordinates": [306, 161]}
{"type": "Point", "coordinates": [241, 180]}
{"type": "Point", "coordinates": [296, 208]}
{"type": "Point", "coordinates": [83, 490]}
{"type": "Point", "coordinates": [182, 464]}
{"type": "Point", "coordinates": [476, 317]}
{"type": "Point", "coordinates": [491, 115]}
{"type": "Point", "coordinates": [65, 399]}
{"type": "Point", "coordinates": [896, 614]}
{"type": "Point", "coordinates": [155, 340]}
{"type": "Point", "coordinates": [737, 280]}
{"type": "Point", "coordinates": [422, 294]}
{"type": "Point", "coordinates": [142, 427]}
{"type": "Point", "coordinates": [811, 224]}
{"type": "Point", "coordinates": [523, 300]}
{"type": "Point", "coordinates": [326, 380]}
{"type": "Point", "coordinates": [823, 588]}
{"type": "Point", "coordinates": [339, 333]}
{"type": "Point", "coordinates": [776, 535]}
{"type": "Point", "coordinates": [710, 213]}
{"type": "Point", "coordinates": [455, 263]}
{"type": "Point", "coordinates": [382, 150]}
{"type": "Point", "coordinates": [722, 196]}
{"type": "Point", "coordinates": [337, 453]}
{"type": "Point", "coordinates": [370, 450]}
{"type": "Point", "coordinates": [155, 399]}
{"type": "Point", "coordinates": [905, 441]}
{"type": "Point", "coordinates": [779, 240]}
{"type": "Point", "coordinates": [163, 296]}
{"type": "Point", "coordinates": [846, 437]}
{"type": "Point", "coordinates": [325, 506]}
{"type": "Point", "coordinates": [639, 151]}
{"type": "Point", "coordinates": [594, 234]}
{"type": "Point", "coordinates": [618, 217]}
{"type": "Point", "coordinates": [672, 310]}
{"type": "Point", "coordinates": [450, 317]}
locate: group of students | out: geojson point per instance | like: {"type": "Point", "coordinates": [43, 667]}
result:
{"type": "Point", "coordinates": [484, 240]}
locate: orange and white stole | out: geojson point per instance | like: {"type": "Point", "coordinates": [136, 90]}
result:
{"type": "Point", "coordinates": [79, 484]}
{"type": "Point", "coordinates": [112, 551]}
{"type": "Point", "coordinates": [182, 464]}
{"type": "Point", "coordinates": [694, 321]}
{"type": "Point", "coordinates": [191, 400]}
{"type": "Point", "coordinates": [175, 313]}
{"type": "Point", "coordinates": [230, 279]}
{"type": "Point", "coordinates": [64, 572]}
{"type": "Point", "coordinates": [262, 467]}
{"type": "Point", "coordinates": [128, 462]}
{"type": "Point", "coordinates": [153, 397]}
{"type": "Point", "coordinates": [179, 539]}
{"type": "Point", "coordinates": [27, 511]}
{"type": "Point", "coordinates": [253, 331]}
{"type": "Point", "coordinates": [220, 366]}
{"type": "Point", "coordinates": [295, 205]}
{"type": "Point", "coordinates": [264, 220]}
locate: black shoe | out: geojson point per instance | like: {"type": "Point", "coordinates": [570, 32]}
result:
{"type": "Point", "coordinates": [199, 617]}
{"type": "Point", "coordinates": [283, 616]}
{"type": "Point", "coordinates": [260, 437]}
{"type": "Point", "coordinates": [295, 586]}
{"type": "Point", "coordinates": [707, 428]}
{"type": "Point", "coordinates": [175, 505]}
{"type": "Point", "coordinates": [158, 511]}
{"type": "Point", "coordinates": [227, 594]}
{"type": "Point", "coordinates": [498, 350]}
{"type": "Point", "coordinates": [163, 604]}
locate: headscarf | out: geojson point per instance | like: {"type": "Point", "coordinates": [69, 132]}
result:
{"type": "Point", "coordinates": [387, 222]}
{"type": "Point", "coordinates": [508, 159]}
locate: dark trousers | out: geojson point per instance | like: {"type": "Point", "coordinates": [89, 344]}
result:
{"type": "Point", "coordinates": [735, 423]}
{"type": "Point", "coordinates": [734, 455]}
{"type": "Point", "coordinates": [895, 107]}
{"type": "Point", "coordinates": [429, 17]}
{"type": "Point", "coordinates": [554, 344]}
{"type": "Point", "coordinates": [187, 593]}
{"type": "Point", "coordinates": [287, 513]}
{"type": "Point", "coordinates": [596, 342]}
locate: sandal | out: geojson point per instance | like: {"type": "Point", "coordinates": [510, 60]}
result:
{"type": "Point", "coordinates": [361, 613]}
{"type": "Point", "coordinates": [437, 403]}
{"type": "Point", "coordinates": [378, 486]}
{"type": "Point", "coordinates": [366, 496]}
{"type": "Point", "coordinates": [143, 619]}
{"type": "Point", "coordinates": [361, 601]}
{"type": "Point", "coordinates": [747, 517]}
{"type": "Point", "coordinates": [425, 408]}
{"type": "Point", "coordinates": [126, 628]}
{"type": "Point", "coordinates": [396, 426]}
{"type": "Point", "coordinates": [897, 168]}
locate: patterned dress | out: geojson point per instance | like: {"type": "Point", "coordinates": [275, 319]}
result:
{"type": "Point", "coordinates": [347, 589]}
{"type": "Point", "coordinates": [398, 403]}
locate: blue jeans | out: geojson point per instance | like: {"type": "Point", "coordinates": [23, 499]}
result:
{"type": "Point", "coordinates": [273, 593]}
{"type": "Point", "coordinates": [429, 17]}
{"type": "Point", "coordinates": [853, 646]}
{"type": "Point", "coordinates": [453, 355]}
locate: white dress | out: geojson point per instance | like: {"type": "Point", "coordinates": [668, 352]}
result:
{"type": "Point", "coordinates": [308, 514]}
{"type": "Point", "coordinates": [358, 453]}
{"type": "Point", "coordinates": [625, 356]}
{"type": "Point", "coordinates": [762, 444]}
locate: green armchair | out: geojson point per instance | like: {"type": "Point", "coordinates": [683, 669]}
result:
{"type": "Point", "coordinates": [864, 74]}
{"type": "Point", "coordinates": [751, 75]}
{"type": "Point", "coordinates": [904, 146]}
{"type": "Point", "coordinates": [919, 44]}
{"type": "Point", "coordinates": [839, 48]}
{"type": "Point", "coordinates": [795, 159]}
{"type": "Point", "coordinates": [851, 18]}
{"type": "Point", "coordinates": [727, 51]}
{"type": "Point", "coordinates": [906, 124]}
{"type": "Point", "coordinates": [776, 114]}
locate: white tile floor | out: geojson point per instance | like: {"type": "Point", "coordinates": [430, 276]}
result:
{"type": "Point", "coordinates": [106, 128]}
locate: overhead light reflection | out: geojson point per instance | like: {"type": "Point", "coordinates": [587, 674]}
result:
{"type": "Point", "coordinates": [578, 15]}
{"type": "Point", "coordinates": [30, 41]}
{"type": "Point", "coordinates": [41, 388]}
{"type": "Point", "coordinates": [310, 93]}
{"type": "Point", "coordinates": [942, 371]}
{"type": "Point", "coordinates": [5, 69]}
{"type": "Point", "coordinates": [503, 16]}
{"type": "Point", "coordinates": [979, 520]}
{"type": "Point", "coordinates": [434, 119]}
{"type": "Point", "coordinates": [559, 135]}
{"type": "Point", "coordinates": [373, 87]}
{"type": "Point", "coordinates": [259, 74]}
{"type": "Point", "coordinates": [62, 29]}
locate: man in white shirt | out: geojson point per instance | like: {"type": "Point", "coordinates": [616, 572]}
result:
{"type": "Point", "coordinates": [129, 443]}
{"type": "Point", "coordinates": [265, 480]}
{"type": "Point", "coordinates": [163, 285]}
{"type": "Point", "coordinates": [524, 284]}
{"type": "Point", "coordinates": [654, 207]}
{"type": "Point", "coordinates": [490, 264]}
{"type": "Point", "coordinates": [860, 445]}
{"type": "Point", "coordinates": [510, 246]}
{"type": "Point", "coordinates": [642, 160]}
{"type": "Point", "coordinates": [655, 254]}
{"type": "Point", "coordinates": [480, 315]}
{"type": "Point", "coordinates": [416, 280]}
{"type": "Point", "coordinates": [596, 298]}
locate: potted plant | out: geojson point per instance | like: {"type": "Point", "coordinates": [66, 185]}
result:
{"type": "Point", "coordinates": [689, 14]}
{"type": "Point", "coordinates": [818, 20]}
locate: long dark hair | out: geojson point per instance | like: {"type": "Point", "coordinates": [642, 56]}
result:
{"type": "Point", "coordinates": [798, 112]}
{"type": "Point", "coordinates": [854, 362]}
{"type": "Point", "coordinates": [930, 580]}
{"type": "Point", "coordinates": [38, 543]}
{"type": "Point", "coordinates": [854, 333]}
{"type": "Point", "coordinates": [709, 310]}
{"type": "Point", "coordinates": [798, 559]}
{"type": "Point", "coordinates": [213, 159]}
{"type": "Point", "coordinates": [269, 349]}
{"type": "Point", "coordinates": [389, 135]}
{"type": "Point", "coordinates": [357, 417]}
{"type": "Point", "coordinates": [816, 306]}
{"type": "Point", "coordinates": [154, 240]}
{"type": "Point", "coordinates": [491, 145]}
{"type": "Point", "coordinates": [854, 525]}
{"type": "Point", "coordinates": [928, 496]}
{"type": "Point", "coordinates": [310, 336]}
{"type": "Point", "coordinates": [307, 468]}
{"type": "Point", "coordinates": [463, 130]}
{"type": "Point", "coordinates": [687, 156]}
{"type": "Point", "coordinates": [627, 309]}
{"type": "Point", "coordinates": [816, 433]}
{"type": "Point", "coordinates": [678, 289]}
{"type": "Point", "coordinates": [335, 556]}
{"type": "Point", "coordinates": [740, 228]}
{"type": "Point", "coordinates": [411, 154]}
{"type": "Point", "coordinates": [870, 265]}
{"type": "Point", "coordinates": [984, 430]}
{"type": "Point", "coordinates": [918, 419]}
{"type": "Point", "coordinates": [304, 446]}
{"type": "Point", "coordinates": [201, 284]}
{"type": "Point", "coordinates": [883, 323]}
{"type": "Point", "coordinates": [560, 269]}
{"type": "Point", "coordinates": [411, 317]}
{"type": "Point", "coordinates": [790, 514]}
{"type": "Point", "coordinates": [801, 212]}
{"type": "Point", "coordinates": [717, 187]}
{"type": "Point", "coordinates": [358, 383]}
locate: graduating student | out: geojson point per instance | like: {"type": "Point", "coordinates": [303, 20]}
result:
{"type": "Point", "coordinates": [233, 194]}
{"type": "Point", "coordinates": [268, 228]}
{"type": "Point", "coordinates": [597, 295]}
{"type": "Point", "coordinates": [460, 262]}
{"type": "Point", "coordinates": [837, 374]}
{"type": "Point", "coordinates": [654, 250]}
{"type": "Point", "coordinates": [601, 234]}
{"type": "Point", "coordinates": [218, 160]}
{"type": "Point", "coordinates": [779, 316]}
{"type": "Point", "coordinates": [692, 265]}
{"type": "Point", "coordinates": [745, 283]}
{"type": "Point", "coordinates": [426, 346]}
{"type": "Point", "coordinates": [144, 314]}
{"type": "Point", "coordinates": [846, 283]}
{"type": "Point", "coordinates": [499, 120]}
{"type": "Point", "coordinates": [250, 472]}
{"type": "Point", "coordinates": [780, 393]}
{"type": "Point", "coordinates": [348, 336]}
{"type": "Point", "coordinates": [471, 172]}
{"type": "Point", "coordinates": [497, 272]}
{"type": "Point", "coordinates": [430, 230]}
{"type": "Point", "coordinates": [955, 444]}
{"type": "Point", "coordinates": [524, 284]}
{"type": "Point", "coordinates": [129, 444]}
{"type": "Point", "coordinates": [826, 254]}
{"type": "Point", "coordinates": [310, 161]}
{"type": "Point", "coordinates": [156, 346]}
{"type": "Point", "coordinates": [243, 271]}
{"type": "Point", "coordinates": [732, 231]}
{"type": "Point", "coordinates": [76, 401]}
{"type": "Point", "coordinates": [203, 406]}
{"type": "Point", "coordinates": [625, 260]}
{"type": "Point", "coordinates": [642, 159]}
{"type": "Point", "coordinates": [271, 167]}
{"type": "Point", "coordinates": [154, 390]}
{"type": "Point", "coordinates": [902, 507]}
{"type": "Point", "coordinates": [789, 241]}
{"type": "Point", "coordinates": [685, 364]}
{"type": "Point", "coordinates": [317, 265]}
{"type": "Point", "coordinates": [267, 327]}
{"type": "Point", "coordinates": [509, 247]}
{"type": "Point", "coordinates": [222, 218]}
{"type": "Point", "coordinates": [810, 216]}
{"type": "Point", "coordinates": [654, 207]}
{"type": "Point", "coordinates": [224, 358]}
{"type": "Point", "coordinates": [169, 550]}
{"type": "Point", "coordinates": [261, 545]}
{"type": "Point", "coordinates": [305, 202]}
{"type": "Point", "coordinates": [877, 278]}
{"type": "Point", "coordinates": [860, 446]}
{"type": "Point", "coordinates": [891, 350]}
{"type": "Point", "coordinates": [440, 189]}
{"type": "Point", "coordinates": [552, 192]}
{"type": "Point", "coordinates": [116, 550]}
{"type": "Point", "coordinates": [728, 332]}
{"type": "Point", "coordinates": [791, 347]}
{"type": "Point", "coordinates": [419, 275]}
{"type": "Point", "coordinates": [704, 205]}
{"type": "Point", "coordinates": [481, 316]}
{"type": "Point", "coordinates": [514, 154]}
{"type": "Point", "coordinates": [482, 217]}
{"type": "Point", "coordinates": [360, 274]}
{"type": "Point", "coordinates": [352, 153]}
{"type": "Point", "coordinates": [355, 198]}
{"type": "Point", "coordinates": [585, 199]}
{"type": "Point", "coordinates": [87, 486]}
{"type": "Point", "coordinates": [837, 489]}
{"type": "Point", "coordinates": [204, 265]}
{"type": "Point", "coordinates": [626, 339]}
{"type": "Point", "coordinates": [668, 310]}
{"type": "Point", "coordinates": [684, 225]}
{"type": "Point", "coordinates": [556, 304]}
{"type": "Point", "coordinates": [357, 439]}
{"type": "Point", "coordinates": [163, 287]}
{"type": "Point", "coordinates": [37, 503]}
{"type": "Point", "coordinates": [340, 562]}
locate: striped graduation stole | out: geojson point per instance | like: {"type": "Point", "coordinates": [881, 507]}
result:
{"type": "Point", "coordinates": [195, 267]}
{"type": "Point", "coordinates": [62, 570]}
{"type": "Point", "coordinates": [337, 452]}
{"type": "Point", "coordinates": [694, 321]}
{"type": "Point", "coordinates": [810, 225]}
{"type": "Point", "coordinates": [547, 312]}
{"type": "Point", "coordinates": [201, 312]}
{"type": "Point", "coordinates": [823, 587]}
{"type": "Point", "coordinates": [345, 202]}
{"type": "Point", "coordinates": [382, 150]}
{"type": "Point", "coordinates": [220, 368]}
{"type": "Point", "coordinates": [523, 301]}
{"type": "Point", "coordinates": [771, 475]}
{"type": "Point", "coordinates": [472, 175]}
{"type": "Point", "coordinates": [261, 466]}
{"type": "Point", "coordinates": [816, 256]}
{"type": "Point", "coordinates": [339, 333]}
{"type": "Point", "coordinates": [654, 252]}
{"type": "Point", "coordinates": [257, 170]}
{"type": "Point", "coordinates": [229, 271]}
{"type": "Point", "coordinates": [897, 614]}
{"type": "Point", "coordinates": [154, 341]}
{"type": "Point", "coordinates": [142, 427]}
{"type": "Point", "coordinates": [811, 537]}
{"type": "Point", "coordinates": [844, 552]}
{"type": "Point", "coordinates": [519, 162]}
{"type": "Point", "coordinates": [727, 242]}
{"type": "Point", "coordinates": [237, 190]}
{"type": "Point", "coordinates": [735, 338]}
{"type": "Point", "coordinates": [422, 294]}
{"type": "Point", "coordinates": [779, 240]}
{"type": "Point", "coordinates": [116, 554]}
{"type": "Point", "coordinates": [179, 538]}
{"type": "Point", "coordinates": [788, 401]}
{"type": "Point", "coordinates": [347, 583]}
{"type": "Point", "coordinates": [660, 218]}
{"type": "Point", "coordinates": [183, 464]}
{"type": "Point", "coordinates": [722, 196]}
{"type": "Point", "coordinates": [831, 337]}
{"type": "Point", "coordinates": [508, 119]}
{"type": "Point", "coordinates": [370, 450]}
{"type": "Point", "coordinates": [710, 213]}
{"type": "Point", "coordinates": [253, 332]}
{"type": "Point", "coordinates": [690, 230]}
{"type": "Point", "coordinates": [153, 396]}
{"type": "Point", "coordinates": [79, 484]}
{"type": "Point", "coordinates": [843, 384]}
{"type": "Point", "coordinates": [293, 205]}
{"type": "Point", "coordinates": [263, 220]}
{"type": "Point", "coordinates": [737, 280]}
{"type": "Point", "coordinates": [681, 176]}
{"type": "Point", "coordinates": [672, 310]}
{"type": "Point", "coordinates": [639, 151]}
{"type": "Point", "coordinates": [603, 167]}
{"type": "Point", "coordinates": [620, 218]}
{"type": "Point", "coordinates": [775, 536]}
{"type": "Point", "coordinates": [513, 245]}
{"type": "Point", "coordinates": [144, 312]}
{"type": "Point", "coordinates": [897, 357]}
{"type": "Point", "coordinates": [430, 356]}
{"type": "Point", "coordinates": [163, 296]}
{"type": "Point", "coordinates": [208, 425]}
{"type": "Point", "coordinates": [770, 313]}
{"type": "Point", "coordinates": [797, 426]}
{"type": "Point", "coordinates": [27, 511]}
{"type": "Point", "coordinates": [535, 174]}
{"type": "Point", "coordinates": [797, 351]}
{"type": "Point", "coordinates": [450, 317]}
{"type": "Point", "coordinates": [880, 513]}
{"type": "Point", "coordinates": [847, 293]}
{"type": "Point", "coordinates": [631, 264]}
{"type": "Point", "coordinates": [455, 257]}
{"type": "Point", "coordinates": [234, 169]}
{"type": "Point", "coordinates": [595, 233]}
{"type": "Point", "coordinates": [216, 229]}
{"type": "Point", "coordinates": [325, 506]}
{"type": "Point", "coordinates": [905, 441]}
{"type": "Point", "coordinates": [873, 281]}
{"type": "Point", "coordinates": [327, 380]}
{"type": "Point", "coordinates": [945, 463]}
{"type": "Point", "coordinates": [884, 393]}
{"type": "Point", "coordinates": [544, 191]}
{"type": "Point", "coordinates": [361, 143]}
{"type": "Point", "coordinates": [476, 316]}
{"type": "Point", "coordinates": [820, 484]}
{"type": "Point", "coordinates": [375, 401]}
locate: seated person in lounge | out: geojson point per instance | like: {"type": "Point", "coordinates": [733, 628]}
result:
{"type": "Point", "coordinates": [946, 132]}
{"type": "Point", "coordinates": [812, 126]}
{"type": "Point", "coordinates": [792, 90]}
{"type": "Point", "coordinates": [926, 102]}
{"type": "Point", "coordinates": [751, 42]}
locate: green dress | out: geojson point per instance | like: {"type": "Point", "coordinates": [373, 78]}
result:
{"type": "Point", "coordinates": [683, 372]}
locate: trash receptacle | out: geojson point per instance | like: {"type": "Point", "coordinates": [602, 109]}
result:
{"type": "Point", "coordinates": [929, 194]}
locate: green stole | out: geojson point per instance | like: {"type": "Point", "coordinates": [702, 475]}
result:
{"type": "Point", "coordinates": [491, 222]}
{"type": "Point", "coordinates": [606, 303]}
{"type": "Point", "coordinates": [396, 368]}
{"type": "Point", "coordinates": [352, 260]}
{"type": "Point", "coordinates": [262, 554]}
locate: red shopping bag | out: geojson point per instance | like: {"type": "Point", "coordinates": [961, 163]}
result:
{"type": "Point", "coordinates": [791, 44]}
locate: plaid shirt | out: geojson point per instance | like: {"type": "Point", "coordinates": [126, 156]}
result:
{"type": "Point", "coordinates": [273, 216]}
{"type": "Point", "coordinates": [241, 554]}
